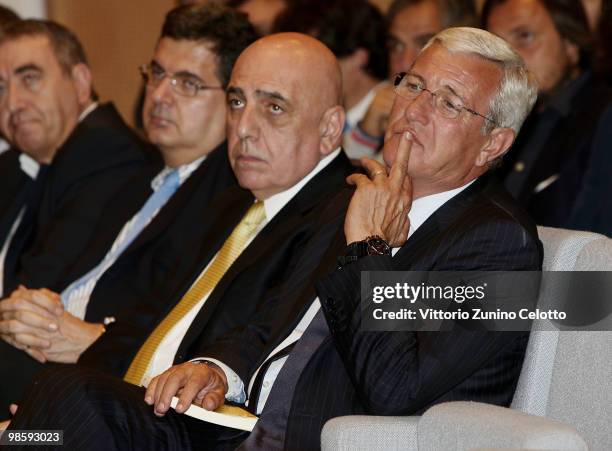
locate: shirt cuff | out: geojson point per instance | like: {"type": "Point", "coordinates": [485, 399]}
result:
{"type": "Point", "coordinates": [235, 386]}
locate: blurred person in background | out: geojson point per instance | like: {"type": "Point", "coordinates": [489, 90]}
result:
{"type": "Point", "coordinates": [6, 17]}
{"type": "Point", "coordinates": [550, 168]}
{"type": "Point", "coordinates": [354, 30]}
{"type": "Point", "coordinates": [78, 151]}
{"type": "Point", "coordinates": [410, 24]}
{"type": "Point", "coordinates": [261, 13]}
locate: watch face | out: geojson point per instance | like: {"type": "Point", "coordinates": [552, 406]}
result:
{"type": "Point", "coordinates": [378, 246]}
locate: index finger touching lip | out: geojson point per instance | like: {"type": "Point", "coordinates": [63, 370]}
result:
{"type": "Point", "coordinates": [399, 169]}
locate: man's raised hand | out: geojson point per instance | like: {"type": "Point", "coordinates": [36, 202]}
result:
{"type": "Point", "coordinates": [381, 202]}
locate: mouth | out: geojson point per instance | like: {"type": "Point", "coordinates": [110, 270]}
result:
{"type": "Point", "coordinates": [399, 132]}
{"type": "Point", "coordinates": [248, 160]}
{"type": "Point", "coordinates": [21, 124]}
{"type": "Point", "coordinates": [159, 121]}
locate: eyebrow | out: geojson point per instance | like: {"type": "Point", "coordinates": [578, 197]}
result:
{"type": "Point", "coordinates": [181, 73]}
{"type": "Point", "coordinates": [271, 95]}
{"type": "Point", "coordinates": [27, 68]}
{"type": "Point", "coordinates": [235, 90]}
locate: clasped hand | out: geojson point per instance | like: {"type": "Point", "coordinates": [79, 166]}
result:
{"type": "Point", "coordinates": [36, 322]}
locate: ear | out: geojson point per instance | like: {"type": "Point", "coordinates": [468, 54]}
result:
{"type": "Point", "coordinates": [330, 129]}
{"type": "Point", "coordinates": [500, 140]}
{"type": "Point", "coordinates": [572, 51]}
{"type": "Point", "coordinates": [81, 77]}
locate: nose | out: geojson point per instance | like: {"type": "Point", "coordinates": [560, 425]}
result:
{"type": "Point", "coordinates": [246, 126]}
{"type": "Point", "coordinates": [13, 99]}
{"type": "Point", "coordinates": [419, 109]}
{"type": "Point", "coordinates": [161, 92]}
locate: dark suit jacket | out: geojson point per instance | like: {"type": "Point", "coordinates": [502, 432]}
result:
{"type": "Point", "coordinates": [152, 259]}
{"type": "Point", "coordinates": [236, 299]}
{"type": "Point", "coordinates": [100, 155]}
{"type": "Point", "coordinates": [403, 373]}
{"type": "Point", "coordinates": [593, 207]}
{"type": "Point", "coordinates": [567, 154]}
{"type": "Point", "coordinates": [15, 188]}
{"type": "Point", "coordinates": [12, 180]}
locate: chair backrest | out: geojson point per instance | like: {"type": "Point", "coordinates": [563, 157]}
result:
{"type": "Point", "coordinates": [581, 388]}
{"type": "Point", "coordinates": [567, 374]}
{"type": "Point", "coordinates": [561, 250]}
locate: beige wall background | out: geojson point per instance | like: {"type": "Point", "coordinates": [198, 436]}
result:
{"type": "Point", "coordinates": [118, 36]}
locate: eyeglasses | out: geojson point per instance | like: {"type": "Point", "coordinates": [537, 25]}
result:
{"type": "Point", "coordinates": [183, 84]}
{"type": "Point", "coordinates": [449, 105]}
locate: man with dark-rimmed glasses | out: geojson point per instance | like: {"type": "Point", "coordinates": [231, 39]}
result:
{"type": "Point", "coordinates": [136, 242]}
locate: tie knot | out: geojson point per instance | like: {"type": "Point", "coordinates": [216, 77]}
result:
{"type": "Point", "coordinates": [255, 215]}
{"type": "Point", "coordinates": [169, 181]}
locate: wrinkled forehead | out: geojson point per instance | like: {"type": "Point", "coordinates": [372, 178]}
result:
{"type": "Point", "coordinates": [470, 76]}
{"type": "Point", "coordinates": [28, 49]}
{"type": "Point", "coordinates": [273, 71]}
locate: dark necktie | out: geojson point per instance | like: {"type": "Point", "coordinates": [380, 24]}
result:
{"type": "Point", "coordinates": [269, 432]}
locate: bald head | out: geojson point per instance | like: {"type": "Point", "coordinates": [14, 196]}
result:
{"type": "Point", "coordinates": [301, 57]}
{"type": "Point", "coordinates": [285, 112]}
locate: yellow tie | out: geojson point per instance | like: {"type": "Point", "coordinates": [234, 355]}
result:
{"type": "Point", "coordinates": [232, 248]}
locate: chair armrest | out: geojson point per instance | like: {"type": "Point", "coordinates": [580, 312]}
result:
{"type": "Point", "coordinates": [471, 425]}
{"type": "Point", "coordinates": [360, 432]}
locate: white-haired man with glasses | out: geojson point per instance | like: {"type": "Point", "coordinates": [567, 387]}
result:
{"type": "Point", "coordinates": [431, 208]}
{"type": "Point", "coordinates": [135, 244]}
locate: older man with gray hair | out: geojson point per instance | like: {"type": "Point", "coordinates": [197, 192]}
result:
{"type": "Point", "coordinates": [431, 208]}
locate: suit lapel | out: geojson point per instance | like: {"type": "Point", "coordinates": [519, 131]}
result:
{"type": "Point", "coordinates": [420, 247]}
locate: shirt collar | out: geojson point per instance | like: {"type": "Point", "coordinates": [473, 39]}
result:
{"type": "Point", "coordinates": [184, 172]}
{"type": "Point", "coordinates": [275, 203]}
{"type": "Point", "coordinates": [4, 146]}
{"type": "Point", "coordinates": [29, 165]}
{"type": "Point", "coordinates": [88, 110]}
{"type": "Point", "coordinates": [423, 207]}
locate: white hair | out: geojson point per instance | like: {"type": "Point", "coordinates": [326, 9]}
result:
{"type": "Point", "coordinates": [517, 91]}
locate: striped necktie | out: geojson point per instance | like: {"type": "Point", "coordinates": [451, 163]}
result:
{"type": "Point", "coordinates": [231, 250]}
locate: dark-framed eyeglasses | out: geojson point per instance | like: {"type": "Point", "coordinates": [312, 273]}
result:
{"type": "Point", "coordinates": [449, 105]}
{"type": "Point", "coordinates": [183, 84]}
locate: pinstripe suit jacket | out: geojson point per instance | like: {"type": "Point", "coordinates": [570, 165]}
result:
{"type": "Point", "coordinates": [403, 373]}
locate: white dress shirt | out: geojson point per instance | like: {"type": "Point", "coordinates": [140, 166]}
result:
{"type": "Point", "coordinates": [4, 146]}
{"type": "Point", "coordinates": [164, 355]}
{"type": "Point", "coordinates": [30, 167]}
{"type": "Point", "coordinates": [92, 106]}
{"type": "Point", "coordinates": [77, 301]}
{"type": "Point", "coordinates": [422, 209]}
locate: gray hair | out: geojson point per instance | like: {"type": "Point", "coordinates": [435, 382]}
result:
{"type": "Point", "coordinates": [517, 91]}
